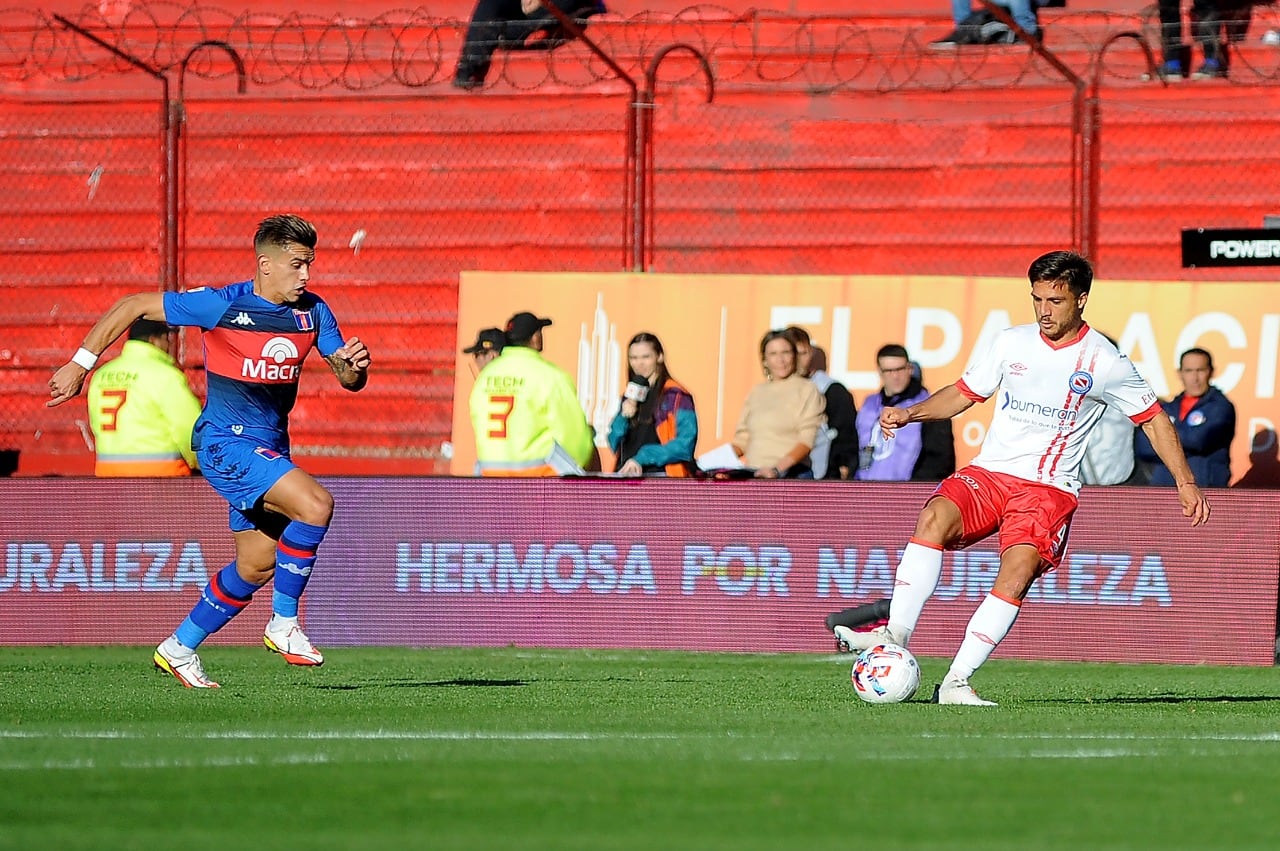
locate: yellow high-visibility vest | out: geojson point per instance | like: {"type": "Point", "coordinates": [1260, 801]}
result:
{"type": "Point", "coordinates": [527, 418]}
{"type": "Point", "coordinates": [141, 411]}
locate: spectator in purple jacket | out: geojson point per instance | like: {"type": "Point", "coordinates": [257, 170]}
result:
{"type": "Point", "coordinates": [920, 452]}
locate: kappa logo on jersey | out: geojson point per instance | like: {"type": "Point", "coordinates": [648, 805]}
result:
{"type": "Point", "coordinates": [302, 318]}
{"type": "Point", "coordinates": [269, 454]}
{"type": "Point", "coordinates": [1080, 382]}
{"type": "Point", "coordinates": [278, 362]}
{"type": "Point", "coordinates": [242, 319]}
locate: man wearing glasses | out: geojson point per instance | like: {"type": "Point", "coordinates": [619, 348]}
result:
{"type": "Point", "coordinates": [921, 452]}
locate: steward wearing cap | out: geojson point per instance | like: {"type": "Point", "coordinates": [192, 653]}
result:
{"type": "Point", "coordinates": [141, 409]}
{"type": "Point", "coordinates": [525, 410]}
{"type": "Point", "coordinates": [488, 345]}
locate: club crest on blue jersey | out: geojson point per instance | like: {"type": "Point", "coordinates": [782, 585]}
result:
{"type": "Point", "coordinates": [302, 318]}
{"type": "Point", "coordinates": [1080, 382]}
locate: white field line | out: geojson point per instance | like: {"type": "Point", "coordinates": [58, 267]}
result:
{"type": "Point", "coordinates": [344, 735]}
{"type": "Point", "coordinates": [587, 736]}
{"type": "Point", "coordinates": [325, 759]}
{"type": "Point", "coordinates": [1095, 746]}
{"type": "Point", "coordinates": [150, 764]}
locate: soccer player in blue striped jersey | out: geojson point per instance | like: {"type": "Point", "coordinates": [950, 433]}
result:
{"type": "Point", "coordinates": [256, 335]}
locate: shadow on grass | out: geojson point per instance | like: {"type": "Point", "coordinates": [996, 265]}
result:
{"type": "Point", "coordinates": [464, 682]}
{"type": "Point", "coordinates": [1168, 698]}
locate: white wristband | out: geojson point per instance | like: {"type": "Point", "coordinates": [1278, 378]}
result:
{"type": "Point", "coordinates": [85, 358]}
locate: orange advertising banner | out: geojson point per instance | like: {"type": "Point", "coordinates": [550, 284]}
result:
{"type": "Point", "coordinates": [711, 326]}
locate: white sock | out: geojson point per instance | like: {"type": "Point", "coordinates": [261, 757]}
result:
{"type": "Point", "coordinates": [987, 628]}
{"type": "Point", "coordinates": [175, 648]}
{"type": "Point", "coordinates": [914, 583]}
{"type": "Point", "coordinates": [279, 622]}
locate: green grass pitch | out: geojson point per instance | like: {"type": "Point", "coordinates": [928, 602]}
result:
{"type": "Point", "coordinates": [516, 748]}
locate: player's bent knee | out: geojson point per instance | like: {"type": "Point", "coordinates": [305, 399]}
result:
{"type": "Point", "coordinates": [316, 508]}
{"type": "Point", "coordinates": [260, 576]}
{"type": "Point", "coordinates": [939, 521]}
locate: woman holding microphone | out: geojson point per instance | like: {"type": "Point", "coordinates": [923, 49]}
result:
{"type": "Point", "coordinates": [655, 430]}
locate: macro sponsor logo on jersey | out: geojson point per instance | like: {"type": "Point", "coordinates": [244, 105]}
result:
{"type": "Point", "coordinates": [1037, 413]}
{"type": "Point", "coordinates": [278, 362]}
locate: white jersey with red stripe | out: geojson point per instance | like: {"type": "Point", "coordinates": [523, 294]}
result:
{"type": "Point", "coordinates": [1050, 397]}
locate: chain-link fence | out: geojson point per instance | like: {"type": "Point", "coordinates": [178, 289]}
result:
{"type": "Point", "coordinates": [744, 188]}
{"type": "Point", "coordinates": [404, 197]}
{"type": "Point", "coordinates": [830, 146]}
{"type": "Point", "coordinates": [1182, 162]}
{"type": "Point", "coordinates": [81, 226]}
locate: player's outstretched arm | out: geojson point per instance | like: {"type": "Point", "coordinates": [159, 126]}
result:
{"type": "Point", "coordinates": [943, 405]}
{"type": "Point", "coordinates": [67, 381]}
{"type": "Point", "coordinates": [1164, 440]}
{"type": "Point", "coordinates": [351, 364]}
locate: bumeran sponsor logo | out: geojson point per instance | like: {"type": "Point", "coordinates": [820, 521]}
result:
{"type": "Point", "coordinates": [1047, 411]}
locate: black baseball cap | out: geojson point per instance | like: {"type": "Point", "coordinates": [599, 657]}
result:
{"type": "Point", "coordinates": [488, 340]}
{"type": "Point", "coordinates": [524, 325]}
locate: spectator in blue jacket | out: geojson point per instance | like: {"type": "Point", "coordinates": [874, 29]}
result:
{"type": "Point", "coordinates": [1206, 423]}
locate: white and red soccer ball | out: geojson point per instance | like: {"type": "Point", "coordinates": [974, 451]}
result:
{"type": "Point", "coordinates": [886, 673]}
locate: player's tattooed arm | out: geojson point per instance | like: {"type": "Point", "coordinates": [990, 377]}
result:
{"type": "Point", "coordinates": [351, 364]}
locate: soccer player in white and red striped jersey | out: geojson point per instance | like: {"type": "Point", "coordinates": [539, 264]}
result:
{"type": "Point", "coordinates": [1054, 378]}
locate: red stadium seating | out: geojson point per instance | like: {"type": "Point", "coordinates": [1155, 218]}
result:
{"type": "Point", "coordinates": [406, 305]}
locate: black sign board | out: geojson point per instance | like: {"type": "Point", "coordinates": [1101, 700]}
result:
{"type": "Point", "coordinates": [1230, 247]}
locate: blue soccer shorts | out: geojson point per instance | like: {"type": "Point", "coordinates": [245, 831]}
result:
{"type": "Point", "coordinates": [242, 470]}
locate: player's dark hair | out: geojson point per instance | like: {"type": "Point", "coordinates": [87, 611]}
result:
{"type": "Point", "coordinates": [1196, 351]}
{"type": "Point", "coordinates": [893, 350]}
{"type": "Point", "coordinates": [146, 329]}
{"type": "Point", "coordinates": [282, 230]}
{"type": "Point", "coordinates": [1065, 266]}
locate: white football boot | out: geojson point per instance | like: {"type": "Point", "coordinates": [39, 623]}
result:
{"type": "Point", "coordinates": [957, 692]}
{"type": "Point", "coordinates": [284, 636]}
{"type": "Point", "coordinates": [186, 669]}
{"type": "Point", "coordinates": [857, 641]}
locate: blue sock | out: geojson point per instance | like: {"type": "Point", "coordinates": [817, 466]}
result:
{"type": "Point", "coordinates": [222, 599]}
{"type": "Point", "coordinates": [295, 556]}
